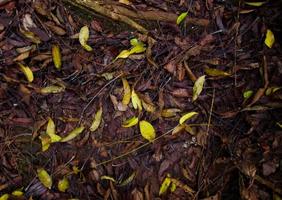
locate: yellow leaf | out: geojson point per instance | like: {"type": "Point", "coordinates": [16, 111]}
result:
{"type": "Point", "coordinates": [170, 112]}
{"type": "Point", "coordinates": [269, 38]}
{"type": "Point", "coordinates": [75, 170]}
{"type": "Point", "coordinates": [127, 92]}
{"type": "Point", "coordinates": [181, 17]}
{"type": "Point", "coordinates": [187, 116]}
{"type": "Point", "coordinates": [97, 120]}
{"type": "Point", "coordinates": [257, 4]}
{"type": "Point", "coordinates": [216, 72]}
{"type": "Point", "coordinates": [123, 54]}
{"type": "Point", "coordinates": [27, 72]}
{"type": "Point", "coordinates": [165, 185]}
{"type": "Point", "coordinates": [147, 130]}
{"type": "Point", "coordinates": [136, 102]}
{"type": "Point", "coordinates": [130, 122]}
{"type": "Point", "coordinates": [83, 38]}
{"type": "Point", "coordinates": [271, 90]}
{"type": "Point", "coordinates": [134, 42]}
{"type": "Point", "coordinates": [278, 124]}
{"type": "Point", "coordinates": [173, 187]}
{"type": "Point", "coordinates": [198, 87]}
{"type": "Point", "coordinates": [75, 132]}
{"type": "Point", "coordinates": [108, 178]}
{"type": "Point", "coordinates": [137, 49]}
{"type": "Point", "coordinates": [45, 141]}
{"type": "Point", "coordinates": [126, 2]}
{"type": "Point", "coordinates": [51, 131]}
{"type": "Point", "coordinates": [52, 89]}
{"type": "Point", "coordinates": [44, 178]}
{"type": "Point", "coordinates": [148, 107]}
{"type": "Point", "coordinates": [178, 128]}
{"type": "Point", "coordinates": [57, 58]}
{"type": "Point", "coordinates": [4, 197]}
{"type": "Point", "coordinates": [247, 94]}
{"type": "Point", "coordinates": [63, 184]}
{"type": "Point", "coordinates": [128, 180]}
{"type": "Point", "coordinates": [17, 193]}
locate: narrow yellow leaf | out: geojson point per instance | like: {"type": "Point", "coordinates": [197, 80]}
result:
{"type": "Point", "coordinates": [216, 72]}
{"type": "Point", "coordinates": [108, 178]}
{"type": "Point", "coordinates": [278, 124]}
{"type": "Point", "coordinates": [173, 187]}
{"type": "Point", "coordinates": [198, 87]}
{"type": "Point", "coordinates": [63, 184]}
{"type": "Point", "coordinates": [51, 131]}
{"type": "Point", "coordinates": [177, 129]}
{"type": "Point", "coordinates": [75, 132]}
{"type": "Point", "coordinates": [170, 112]}
{"type": "Point", "coordinates": [148, 107]}
{"type": "Point", "coordinates": [45, 141]}
{"type": "Point", "coordinates": [27, 72]}
{"type": "Point", "coordinates": [52, 89]}
{"type": "Point", "coordinates": [123, 54]}
{"type": "Point", "coordinates": [17, 193]}
{"type": "Point", "coordinates": [83, 38]}
{"type": "Point", "coordinates": [137, 49]}
{"type": "Point", "coordinates": [271, 90]}
{"type": "Point", "coordinates": [187, 116]}
{"type": "Point", "coordinates": [147, 130]}
{"type": "Point", "coordinates": [126, 91]}
{"type": "Point", "coordinates": [130, 122]}
{"type": "Point", "coordinates": [128, 180]}
{"type": "Point", "coordinates": [44, 178]}
{"type": "Point", "coordinates": [165, 185]}
{"type": "Point", "coordinates": [75, 169]}
{"type": "Point", "coordinates": [57, 58]}
{"type": "Point", "coordinates": [269, 38]}
{"type": "Point", "coordinates": [136, 102]}
{"type": "Point", "coordinates": [181, 17]}
{"type": "Point", "coordinates": [4, 197]}
{"type": "Point", "coordinates": [257, 4]}
{"type": "Point", "coordinates": [97, 120]}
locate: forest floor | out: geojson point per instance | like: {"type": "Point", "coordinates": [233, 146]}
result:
{"type": "Point", "coordinates": [150, 110]}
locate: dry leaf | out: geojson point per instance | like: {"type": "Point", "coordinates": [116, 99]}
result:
{"type": "Point", "coordinates": [51, 131]}
{"type": "Point", "coordinates": [216, 72]}
{"type": "Point", "coordinates": [187, 116]}
{"type": "Point", "coordinates": [126, 91]}
{"type": "Point", "coordinates": [170, 112]}
{"type": "Point", "coordinates": [75, 132]}
{"type": "Point", "coordinates": [57, 58]}
{"type": "Point", "coordinates": [83, 38]}
{"type": "Point", "coordinates": [181, 17]}
{"type": "Point", "coordinates": [198, 87]}
{"type": "Point", "coordinates": [128, 180]}
{"type": "Point", "coordinates": [136, 102]}
{"type": "Point", "coordinates": [52, 89]}
{"type": "Point", "coordinates": [149, 107]}
{"type": "Point", "coordinates": [97, 120]}
{"type": "Point", "coordinates": [27, 72]}
{"type": "Point", "coordinates": [269, 38]}
{"type": "Point", "coordinates": [63, 184]}
{"type": "Point", "coordinates": [130, 122]}
{"type": "Point", "coordinates": [45, 141]}
{"type": "Point", "coordinates": [22, 56]}
{"type": "Point", "coordinates": [44, 178]}
{"type": "Point", "coordinates": [147, 130]}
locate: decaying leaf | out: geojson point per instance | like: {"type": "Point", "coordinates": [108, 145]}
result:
{"type": "Point", "coordinates": [126, 92]}
{"type": "Point", "coordinates": [181, 17]}
{"type": "Point", "coordinates": [57, 58]}
{"type": "Point", "coordinates": [108, 178]}
{"type": "Point", "coordinates": [198, 87]}
{"type": "Point", "coordinates": [147, 130]}
{"type": "Point", "coordinates": [187, 116]}
{"type": "Point", "coordinates": [165, 185]}
{"type": "Point", "coordinates": [97, 120]}
{"type": "Point", "coordinates": [216, 72]}
{"type": "Point", "coordinates": [45, 141]}
{"type": "Point", "coordinates": [4, 197]}
{"type": "Point", "coordinates": [130, 122]}
{"type": "Point", "coordinates": [44, 178]}
{"type": "Point", "coordinates": [269, 38]}
{"type": "Point", "coordinates": [52, 89]}
{"type": "Point", "coordinates": [128, 180]}
{"type": "Point", "coordinates": [51, 131]}
{"type": "Point", "coordinates": [63, 184]}
{"type": "Point", "coordinates": [170, 112]}
{"type": "Point", "coordinates": [247, 94]}
{"type": "Point", "coordinates": [75, 132]}
{"type": "Point", "coordinates": [149, 107]}
{"type": "Point", "coordinates": [27, 72]}
{"type": "Point", "coordinates": [256, 4]}
{"type": "Point", "coordinates": [83, 38]}
{"type": "Point", "coordinates": [136, 102]}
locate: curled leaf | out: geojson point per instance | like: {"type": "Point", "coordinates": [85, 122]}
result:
{"type": "Point", "coordinates": [147, 130]}
{"type": "Point", "coordinates": [127, 92]}
{"type": "Point", "coordinates": [97, 120]}
{"type": "Point", "coordinates": [45, 141]}
{"type": "Point", "coordinates": [216, 72]}
{"type": "Point", "coordinates": [136, 102]}
{"type": "Point", "coordinates": [108, 178]}
{"type": "Point", "coordinates": [44, 178]}
{"type": "Point", "coordinates": [170, 112]}
{"type": "Point", "coordinates": [187, 116]}
{"type": "Point", "coordinates": [130, 122]}
{"type": "Point", "coordinates": [181, 17]}
{"type": "Point", "coordinates": [198, 87]}
{"type": "Point", "coordinates": [269, 38]}
{"type": "Point", "coordinates": [57, 58]}
{"type": "Point", "coordinates": [83, 38]}
{"type": "Point", "coordinates": [165, 185]}
{"type": "Point", "coordinates": [51, 131]}
{"type": "Point", "coordinates": [63, 184]}
{"type": "Point", "coordinates": [27, 72]}
{"type": "Point", "coordinates": [75, 132]}
{"type": "Point", "coordinates": [52, 89]}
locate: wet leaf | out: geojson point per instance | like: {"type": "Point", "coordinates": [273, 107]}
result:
{"type": "Point", "coordinates": [51, 131]}
{"type": "Point", "coordinates": [126, 92]}
{"type": "Point", "coordinates": [128, 180]}
{"type": "Point", "coordinates": [4, 197]}
{"type": "Point", "coordinates": [52, 89]}
{"type": "Point", "coordinates": [181, 17]}
{"type": "Point", "coordinates": [63, 184]}
{"type": "Point", "coordinates": [269, 38]}
{"type": "Point", "coordinates": [170, 112]}
{"type": "Point", "coordinates": [165, 185]}
{"type": "Point", "coordinates": [136, 102]}
{"type": "Point", "coordinates": [130, 122]}
{"type": "Point", "coordinates": [256, 4]}
{"type": "Point", "coordinates": [108, 178]}
{"type": "Point", "coordinates": [57, 58]}
{"type": "Point", "coordinates": [198, 87]}
{"type": "Point", "coordinates": [45, 141]}
{"type": "Point", "coordinates": [147, 130]}
{"type": "Point", "coordinates": [247, 94]}
{"type": "Point", "coordinates": [17, 193]}
{"type": "Point", "coordinates": [216, 72]}
{"type": "Point", "coordinates": [83, 38]}
{"type": "Point", "coordinates": [187, 116]}
{"type": "Point", "coordinates": [97, 120]}
{"type": "Point", "coordinates": [74, 133]}
{"type": "Point", "coordinates": [44, 178]}
{"type": "Point", "coordinates": [27, 72]}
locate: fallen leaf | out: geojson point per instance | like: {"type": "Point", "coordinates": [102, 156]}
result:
{"type": "Point", "coordinates": [108, 178]}
{"type": "Point", "coordinates": [52, 89]}
{"type": "Point", "coordinates": [57, 58]}
{"type": "Point", "coordinates": [4, 197]}
{"type": "Point", "coordinates": [269, 38]}
{"type": "Point", "coordinates": [137, 49]}
{"type": "Point", "coordinates": [177, 129]}
{"type": "Point", "coordinates": [17, 193]}
{"type": "Point", "coordinates": [45, 141]}
{"type": "Point", "coordinates": [123, 54]}
{"type": "Point", "coordinates": [126, 92]}
{"type": "Point", "coordinates": [149, 107]}
{"type": "Point", "coordinates": [198, 87]}
{"type": "Point", "coordinates": [63, 184]}
{"type": "Point", "coordinates": [44, 178]}
{"type": "Point", "coordinates": [83, 38]}
{"type": "Point", "coordinates": [51, 131]}
{"type": "Point", "coordinates": [97, 120]}
{"type": "Point", "coordinates": [165, 185]}
{"type": "Point", "coordinates": [147, 130]}
{"type": "Point", "coordinates": [75, 132]}
{"type": "Point", "coordinates": [257, 4]}
{"type": "Point", "coordinates": [278, 124]}
{"type": "Point", "coordinates": [27, 72]}
{"type": "Point", "coordinates": [173, 187]}
{"type": "Point", "coordinates": [247, 94]}
{"type": "Point", "coordinates": [136, 102]}
{"type": "Point", "coordinates": [181, 17]}
{"type": "Point", "coordinates": [216, 72]}
{"type": "Point", "coordinates": [170, 112]}
{"type": "Point", "coordinates": [130, 122]}
{"type": "Point", "coordinates": [128, 180]}
{"type": "Point", "coordinates": [271, 90]}
{"type": "Point", "coordinates": [187, 116]}
{"type": "Point", "coordinates": [22, 56]}
{"type": "Point", "coordinates": [126, 2]}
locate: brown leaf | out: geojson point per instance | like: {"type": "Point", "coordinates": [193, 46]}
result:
{"type": "Point", "coordinates": [181, 92]}
{"type": "Point", "coordinates": [170, 67]}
